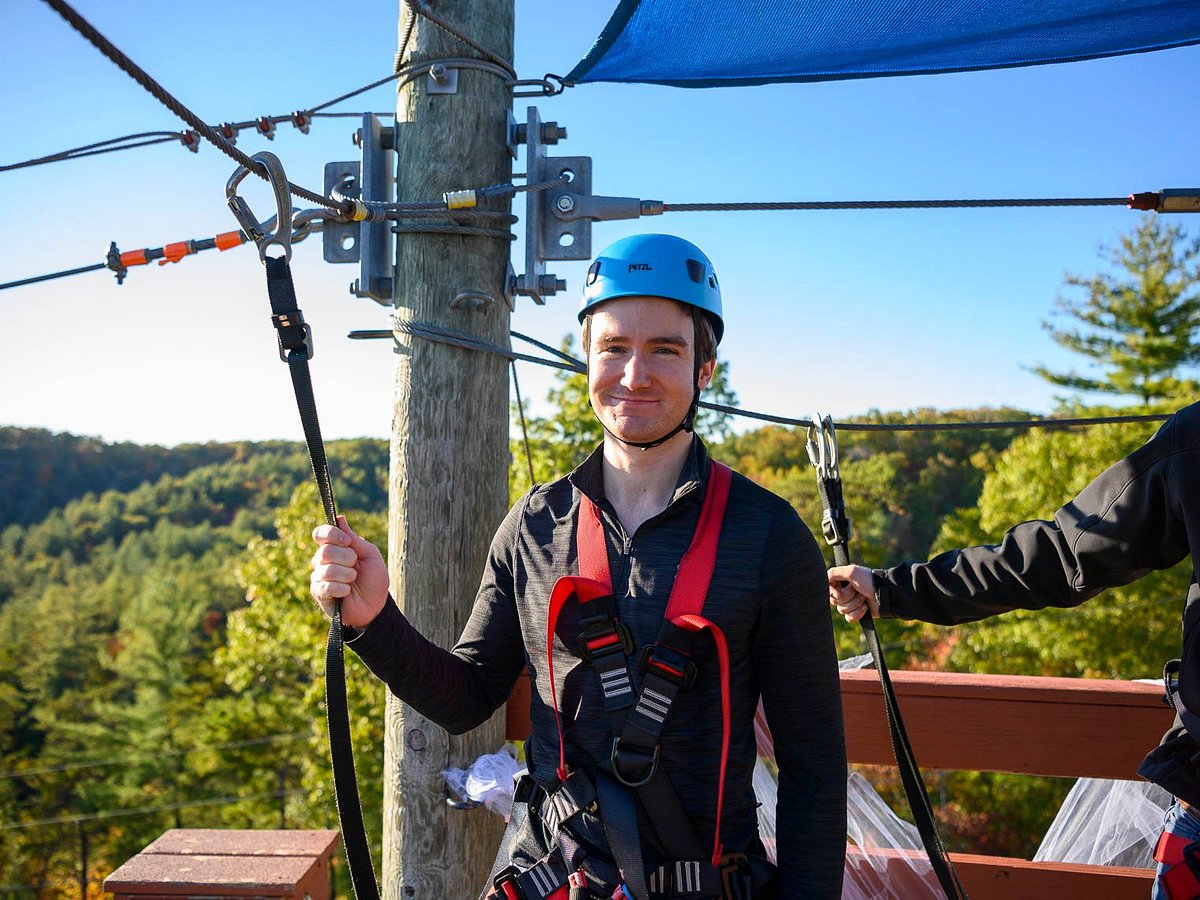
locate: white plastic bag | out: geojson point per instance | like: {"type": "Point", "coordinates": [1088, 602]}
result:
{"type": "Point", "coordinates": [489, 780]}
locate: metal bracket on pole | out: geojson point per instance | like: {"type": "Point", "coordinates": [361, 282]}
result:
{"type": "Point", "coordinates": [369, 244]}
{"type": "Point", "coordinates": [558, 222]}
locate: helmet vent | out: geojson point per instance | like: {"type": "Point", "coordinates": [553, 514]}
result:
{"type": "Point", "coordinates": [593, 272]}
{"type": "Point", "coordinates": [695, 271]}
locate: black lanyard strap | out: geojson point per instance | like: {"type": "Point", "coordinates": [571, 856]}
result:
{"type": "Point", "coordinates": [296, 349]}
{"type": "Point", "coordinates": [822, 451]}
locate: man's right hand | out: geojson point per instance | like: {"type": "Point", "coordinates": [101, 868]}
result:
{"type": "Point", "coordinates": [349, 568]}
{"type": "Point", "coordinates": [852, 591]}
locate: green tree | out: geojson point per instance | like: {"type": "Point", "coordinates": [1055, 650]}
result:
{"type": "Point", "coordinates": [1126, 632]}
{"type": "Point", "coordinates": [1139, 324]}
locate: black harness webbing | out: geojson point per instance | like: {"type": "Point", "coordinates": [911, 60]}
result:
{"type": "Point", "coordinates": [295, 348]}
{"type": "Point", "coordinates": [836, 527]}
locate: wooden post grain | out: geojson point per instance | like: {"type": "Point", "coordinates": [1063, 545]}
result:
{"type": "Point", "coordinates": [449, 449]}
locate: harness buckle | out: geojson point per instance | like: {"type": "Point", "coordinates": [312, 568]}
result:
{"type": "Point", "coordinates": [649, 765]}
{"type": "Point", "coordinates": [293, 334]}
{"type": "Point", "coordinates": [667, 663]}
{"type": "Point", "coordinates": [504, 885]}
{"type": "Point", "coordinates": [602, 636]}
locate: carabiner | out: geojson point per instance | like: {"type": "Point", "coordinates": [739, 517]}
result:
{"type": "Point", "coordinates": [823, 452]}
{"type": "Point", "coordinates": [269, 233]}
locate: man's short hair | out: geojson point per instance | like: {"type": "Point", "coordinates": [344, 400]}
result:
{"type": "Point", "coordinates": [704, 337]}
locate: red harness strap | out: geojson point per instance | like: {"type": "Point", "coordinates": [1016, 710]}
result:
{"type": "Point", "coordinates": [1181, 856]}
{"type": "Point", "coordinates": [688, 593]}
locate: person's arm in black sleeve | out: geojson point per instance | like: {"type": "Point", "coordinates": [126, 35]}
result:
{"type": "Point", "coordinates": [458, 689]}
{"type": "Point", "coordinates": [1130, 520]}
{"type": "Point", "coordinates": [797, 669]}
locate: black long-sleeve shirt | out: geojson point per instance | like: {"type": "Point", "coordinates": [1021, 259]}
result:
{"type": "Point", "coordinates": [768, 596]}
{"type": "Point", "coordinates": [1138, 515]}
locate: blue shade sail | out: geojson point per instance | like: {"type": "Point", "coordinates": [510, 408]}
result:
{"type": "Point", "coordinates": [714, 43]}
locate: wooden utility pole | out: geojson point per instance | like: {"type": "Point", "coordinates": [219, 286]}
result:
{"type": "Point", "coordinates": [449, 450]}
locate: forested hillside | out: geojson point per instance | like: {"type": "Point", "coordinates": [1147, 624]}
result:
{"type": "Point", "coordinates": [161, 663]}
{"type": "Point", "coordinates": [132, 693]}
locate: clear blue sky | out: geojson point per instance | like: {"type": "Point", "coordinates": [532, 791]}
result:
{"type": "Point", "coordinates": [838, 311]}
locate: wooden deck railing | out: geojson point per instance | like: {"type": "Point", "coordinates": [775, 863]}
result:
{"type": "Point", "coordinates": [1001, 723]}
{"type": "Point", "coordinates": [995, 723]}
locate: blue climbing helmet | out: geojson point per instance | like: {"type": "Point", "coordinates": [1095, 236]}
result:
{"type": "Point", "coordinates": [655, 265]}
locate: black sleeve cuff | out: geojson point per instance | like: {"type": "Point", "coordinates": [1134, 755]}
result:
{"type": "Point", "coordinates": [883, 593]}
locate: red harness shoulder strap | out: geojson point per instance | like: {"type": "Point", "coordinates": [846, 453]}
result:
{"type": "Point", "coordinates": [696, 567]}
{"type": "Point", "coordinates": [684, 608]}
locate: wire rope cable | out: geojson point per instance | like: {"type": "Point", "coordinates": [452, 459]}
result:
{"type": "Point", "coordinates": [893, 204]}
{"type": "Point", "coordinates": [129, 67]}
{"type": "Point", "coordinates": [421, 7]}
{"type": "Point", "coordinates": [524, 428]}
{"type": "Point", "coordinates": [566, 362]}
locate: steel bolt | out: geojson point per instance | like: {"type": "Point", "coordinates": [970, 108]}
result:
{"type": "Point", "coordinates": [565, 203]}
{"type": "Point", "coordinates": [438, 73]}
{"type": "Point", "coordinates": [552, 133]}
{"type": "Point", "coordinates": [356, 138]}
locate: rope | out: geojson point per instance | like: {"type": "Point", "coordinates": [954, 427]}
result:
{"type": "Point", "coordinates": [129, 67]}
{"type": "Point", "coordinates": [524, 428]}
{"type": "Point", "coordinates": [421, 7]}
{"type": "Point", "coordinates": [895, 204]}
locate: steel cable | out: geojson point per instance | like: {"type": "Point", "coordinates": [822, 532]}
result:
{"type": "Point", "coordinates": [419, 6]}
{"type": "Point", "coordinates": [894, 204]}
{"type": "Point", "coordinates": [468, 341]}
{"type": "Point", "coordinates": [164, 97]}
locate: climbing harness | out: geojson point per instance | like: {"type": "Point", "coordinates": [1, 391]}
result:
{"type": "Point", "coordinates": [835, 525]}
{"type": "Point", "coordinates": [1181, 858]}
{"type": "Point", "coordinates": [296, 349]}
{"type": "Point", "coordinates": [632, 775]}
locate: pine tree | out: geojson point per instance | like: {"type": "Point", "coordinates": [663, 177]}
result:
{"type": "Point", "coordinates": [1139, 325]}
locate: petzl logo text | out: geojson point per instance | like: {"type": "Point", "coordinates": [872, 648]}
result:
{"type": "Point", "coordinates": [640, 267]}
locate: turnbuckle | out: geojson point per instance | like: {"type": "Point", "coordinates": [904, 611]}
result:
{"type": "Point", "coordinates": [264, 234]}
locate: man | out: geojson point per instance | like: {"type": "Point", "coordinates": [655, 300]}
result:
{"type": "Point", "coordinates": [630, 797]}
{"type": "Point", "coordinates": [1141, 514]}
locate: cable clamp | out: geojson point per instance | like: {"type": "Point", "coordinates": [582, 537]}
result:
{"type": "Point", "coordinates": [266, 127]}
{"type": "Point", "coordinates": [116, 263]}
{"type": "Point", "coordinates": [301, 120]}
{"type": "Point", "coordinates": [229, 131]}
{"type": "Point", "coordinates": [460, 199]}
{"type": "Point", "coordinates": [190, 139]}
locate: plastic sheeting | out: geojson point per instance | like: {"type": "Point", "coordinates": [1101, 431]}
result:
{"type": "Point", "coordinates": [707, 43]}
{"type": "Point", "coordinates": [1106, 823]}
{"type": "Point", "coordinates": [489, 780]}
